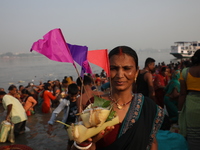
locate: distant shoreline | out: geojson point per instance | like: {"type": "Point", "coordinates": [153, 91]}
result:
{"type": "Point", "coordinates": [10, 55]}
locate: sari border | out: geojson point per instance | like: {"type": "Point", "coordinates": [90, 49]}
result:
{"type": "Point", "coordinates": [133, 113]}
{"type": "Point", "coordinates": [158, 120]}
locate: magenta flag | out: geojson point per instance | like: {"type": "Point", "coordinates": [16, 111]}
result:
{"type": "Point", "coordinates": [86, 68]}
{"type": "Point", "coordinates": [53, 46]}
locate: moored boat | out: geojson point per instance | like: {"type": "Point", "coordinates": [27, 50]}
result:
{"type": "Point", "coordinates": [183, 49]}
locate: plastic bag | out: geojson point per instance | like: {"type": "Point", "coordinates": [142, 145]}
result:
{"type": "Point", "coordinates": [11, 136]}
{"type": "Point", "coordinates": [4, 130]}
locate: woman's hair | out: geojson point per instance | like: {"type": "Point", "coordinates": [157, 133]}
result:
{"type": "Point", "coordinates": [196, 58]}
{"type": "Point", "coordinates": [11, 87]}
{"type": "Point", "coordinates": [64, 81]}
{"type": "Point", "coordinates": [73, 89]}
{"type": "Point", "coordinates": [86, 81]}
{"type": "Point", "coordinates": [126, 50]}
{"type": "Point", "coordinates": [163, 69]}
{"type": "Point", "coordinates": [20, 86]}
{"type": "Point", "coordinates": [25, 91]}
{"type": "Point", "coordinates": [46, 85]}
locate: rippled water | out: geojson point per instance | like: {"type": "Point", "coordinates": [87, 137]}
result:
{"type": "Point", "coordinates": [23, 70]}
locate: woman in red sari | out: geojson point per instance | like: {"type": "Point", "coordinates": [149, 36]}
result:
{"type": "Point", "coordinates": [160, 82]}
{"type": "Point", "coordinates": [47, 97]}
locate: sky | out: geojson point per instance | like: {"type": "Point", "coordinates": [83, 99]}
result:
{"type": "Point", "coordinates": [105, 24]}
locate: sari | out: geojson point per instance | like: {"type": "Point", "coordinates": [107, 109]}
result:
{"type": "Point", "coordinates": [160, 80]}
{"type": "Point", "coordinates": [169, 101]}
{"type": "Point", "coordinates": [189, 120]}
{"type": "Point", "coordinates": [139, 127]}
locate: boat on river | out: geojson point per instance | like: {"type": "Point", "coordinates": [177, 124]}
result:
{"type": "Point", "coordinates": [184, 49]}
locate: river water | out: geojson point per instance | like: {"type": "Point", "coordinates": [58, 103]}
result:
{"type": "Point", "coordinates": [41, 68]}
{"type": "Point", "coordinates": [23, 70]}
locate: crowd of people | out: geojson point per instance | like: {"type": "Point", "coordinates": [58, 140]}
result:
{"type": "Point", "coordinates": [141, 98]}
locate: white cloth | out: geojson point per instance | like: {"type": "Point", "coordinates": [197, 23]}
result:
{"type": "Point", "coordinates": [61, 106]}
{"type": "Point", "coordinates": [64, 105]}
{"type": "Point", "coordinates": [17, 113]}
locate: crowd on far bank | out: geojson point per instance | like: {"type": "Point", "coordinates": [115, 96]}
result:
{"type": "Point", "coordinates": [174, 87]}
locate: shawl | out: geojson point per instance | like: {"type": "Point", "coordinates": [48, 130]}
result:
{"type": "Point", "coordinates": [174, 83]}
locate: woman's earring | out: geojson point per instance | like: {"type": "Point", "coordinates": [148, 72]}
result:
{"type": "Point", "coordinates": [136, 74]}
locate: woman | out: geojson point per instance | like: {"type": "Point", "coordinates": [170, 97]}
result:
{"type": "Point", "coordinates": [56, 90]}
{"type": "Point", "coordinates": [139, 117]}
{"type": "Point", "coordinates": [189, 102]}
{"type": "Point", "coordinates": [160, 83]}
{"type": "Point", "coordinates": [28, 102]}
{"type": "Point", "coordinates": [172, 91]}
{"type": "Point", "coordinates": [47, 97]}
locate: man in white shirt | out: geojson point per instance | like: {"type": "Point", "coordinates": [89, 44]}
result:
{"type": "Point", "coordinates": [15, 111]}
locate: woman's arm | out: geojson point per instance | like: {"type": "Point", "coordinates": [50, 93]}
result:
{"type": "Point", "coordinates": [154, 145]}
{"type": "Point", "coordinates": [183, 94]}
{"type": "Point", "coordinates": [96, 138]}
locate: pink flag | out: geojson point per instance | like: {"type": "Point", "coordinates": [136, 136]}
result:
{"type": "Point", "coordinates": [100, 58]}
{"type": "Point", "coordinates": [53, 46]}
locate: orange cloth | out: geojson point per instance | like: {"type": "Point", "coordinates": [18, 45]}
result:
{"type": "Point", "coordinates": [47, 97]}
{"type": "Point", "coordinates": [30, 102]}
{"type": "Point", "coordinates": [192, 82]}
{"type": "Point", "coordinates": [101, 60]}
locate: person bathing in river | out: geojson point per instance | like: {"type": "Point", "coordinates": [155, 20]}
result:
{"type": "Point", "coordinates": [87, 93]}
{"type": "Point", "coordinates": [47, 97]}
{"type": "Point", "coordinates": [28, 102]}
{"type": "Point", "coordinates": [68, 104]}
{"type": "Point", "coordinates": [15, 111]}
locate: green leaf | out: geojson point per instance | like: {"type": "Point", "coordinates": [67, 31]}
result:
{"type": "Point", "coordinates": [100, 102]}
{"type": "Point", "coordinates": [106, 104]}
{"type": "Point", "coordinates": [111, 115]}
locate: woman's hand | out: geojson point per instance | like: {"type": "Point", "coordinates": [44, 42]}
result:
{"type": "Point", "coordinates": [94, 139]}
{"type": "Point", "coordinates": [102, 134]}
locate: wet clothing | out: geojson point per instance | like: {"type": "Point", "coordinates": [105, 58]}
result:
{"type": "Point", "coordinates": [17, 113]}
{"type": "Point", "coordinates": [138, 129]}
{"type": "Point", "coordinates": [64, 105]}
{"type": "Point", "coordinates": [29, 102]}
{"type": "Point", "coordinates": [47, 97]}
{"type": "Point", "coordinates": [142, 85]}
{"type": "Point", "coordinates": [73, 110]}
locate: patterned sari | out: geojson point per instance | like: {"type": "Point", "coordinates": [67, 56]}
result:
{"type": "Point", "coordinates": [139, 127]}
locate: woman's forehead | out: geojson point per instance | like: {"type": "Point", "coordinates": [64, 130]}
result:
{"type": "Point", "coordinates": [122, 59]}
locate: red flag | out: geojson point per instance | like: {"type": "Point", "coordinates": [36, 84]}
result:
{"type": "Point", "coordinates": [53, 46]}
{"type": "Point", "coordinates": [100, 58]}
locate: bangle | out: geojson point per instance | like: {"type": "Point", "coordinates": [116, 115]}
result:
{"type": "Point", "coordinates": [82, 148]}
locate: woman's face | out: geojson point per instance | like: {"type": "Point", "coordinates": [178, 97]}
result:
{"type": "Point", "coordinates": [122, 72]}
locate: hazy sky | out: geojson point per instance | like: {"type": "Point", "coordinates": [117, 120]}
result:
{"type": "Point", "coordinates": [99, 24]}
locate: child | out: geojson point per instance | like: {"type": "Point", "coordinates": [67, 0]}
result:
{"type": "Point", "coordinates": [70, 109]}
